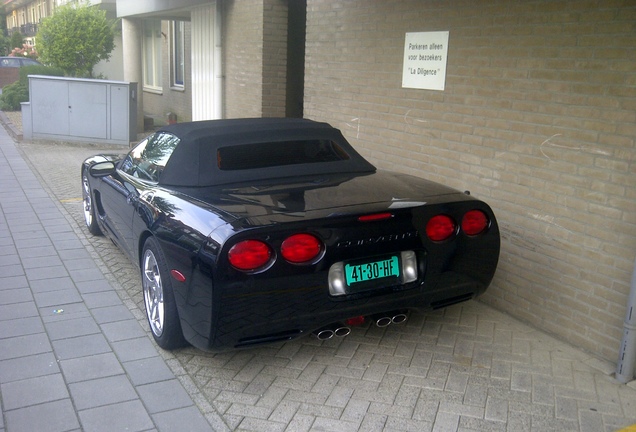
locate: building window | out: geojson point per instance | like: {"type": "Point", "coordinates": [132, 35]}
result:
{"type": "Point", "coordinates": [178, 53]}
{"type": "Point", "coordinates": [152, 55]}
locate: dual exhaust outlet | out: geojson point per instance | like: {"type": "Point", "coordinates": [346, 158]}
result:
{"type": "Point", "coordinates": [342, 330]}
{"type": "Point", "coordinates": [384, 320]}
{"type": "Point", "coordinates": [336, 329]}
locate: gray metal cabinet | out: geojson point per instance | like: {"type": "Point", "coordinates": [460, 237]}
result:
{"type": "Point", "coordinates": [80, 110]}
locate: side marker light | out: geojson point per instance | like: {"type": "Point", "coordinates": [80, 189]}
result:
{"type": "Point", "coordinates": [177, 275]}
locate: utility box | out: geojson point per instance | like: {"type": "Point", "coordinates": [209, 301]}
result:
{"type": "Point", "coordinates": [75, 109]}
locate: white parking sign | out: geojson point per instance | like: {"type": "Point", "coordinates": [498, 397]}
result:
{"type": "Point", "coordinates": [425, 57]}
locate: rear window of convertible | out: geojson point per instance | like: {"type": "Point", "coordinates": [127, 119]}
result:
{"type": "Point", "coordinates": [267, 155]}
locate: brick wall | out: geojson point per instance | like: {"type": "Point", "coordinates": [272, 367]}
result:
{"type": "Point", "coordinates": [538, 118]}
{"type": "Point", "coordinates": [254, 57]}
{"type": "Point", "coordinates": [243, 57]}
{"type": "Point", "coordinates": [274, 58]}
{"type": "Point", "coordinates": [9, 75]}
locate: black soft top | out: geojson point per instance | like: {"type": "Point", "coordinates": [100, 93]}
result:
{"type": "Point", "coordinates": [194, 161]}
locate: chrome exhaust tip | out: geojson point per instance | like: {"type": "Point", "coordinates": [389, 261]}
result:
{"type": "Point", "coordinates": [383, 321]}
{"type": "Point", "coordinates": [334, 329]}
{"type": "Point", "coordinates": [388, 318]}
{"type": "Point", "coordinates": [324, 334]}
{"type": "Point", "coordinates": [342, 331]}
{"type": "Point", "coordinates": [399, 318]}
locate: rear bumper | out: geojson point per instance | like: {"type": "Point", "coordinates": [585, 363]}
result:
{"type": "Point", "coordinates": [227, 309]}
{"type": "Point", "coordinates": [247, 321]}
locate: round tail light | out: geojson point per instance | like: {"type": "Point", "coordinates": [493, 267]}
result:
{"type": "Point", "coordinates": [440, 228]}
{"type": "Point", "coordinates": [249, 255]}
{"type": "Point", "coordinates": [301, 248]}
{"type": "Point", "coordinates": [474, 222]}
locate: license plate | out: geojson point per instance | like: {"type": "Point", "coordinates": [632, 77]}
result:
{"type": "Point", "coordinates": [384, 268]}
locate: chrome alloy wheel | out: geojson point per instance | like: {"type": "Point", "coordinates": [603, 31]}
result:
{"type": "Point", "coordinates": [153, 293]}
{"type": "Point", "coordinates": [87, 202]}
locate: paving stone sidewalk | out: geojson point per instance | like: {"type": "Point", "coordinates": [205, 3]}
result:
{"type": "Point", "coordinates": [465, 368]}
{"type": "Point", "coordinates": [72, 355]}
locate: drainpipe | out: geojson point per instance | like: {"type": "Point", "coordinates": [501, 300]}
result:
{"type": "Point", "coordinates": [132, 36]}
{"type": "Point", "coordinates": [627, 353]}
{"type": "Point", "coordinates": [218, 69]}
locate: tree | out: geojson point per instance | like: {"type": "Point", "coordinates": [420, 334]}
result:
{"type": "Point", "coordinates": [75, 38]}
{"type": "Point", "coordinates": [17, 40]}
{"type": "Point", "coordinates": [4, 39]}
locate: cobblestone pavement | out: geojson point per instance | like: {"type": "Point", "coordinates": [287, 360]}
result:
{"type": "Point", "coordinates": [468, 367]}
{"type": "Point", "coordinates": [72, 355]}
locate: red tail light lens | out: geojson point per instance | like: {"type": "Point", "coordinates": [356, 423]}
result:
{"type": "Point", "coordinates": [355, 321]}
{"type": "Point", "coordinates": [440, 228]}
{"type": "Point", "coordinates": [249, 255]}
{"type": "Point", "coordinates": [474, 222]}
{"type": "Point", "coordinates": [301, 248]}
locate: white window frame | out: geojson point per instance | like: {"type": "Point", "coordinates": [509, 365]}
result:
{"type": "Point", "coordinates": [152, 65]}
{"type": "Point", "coordinates": [178, 55]}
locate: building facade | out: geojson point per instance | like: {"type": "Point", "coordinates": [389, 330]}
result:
{"type": "Point", "coordinates": [211, 59]}
{"type": "Point", "coordinates": [24, 17]}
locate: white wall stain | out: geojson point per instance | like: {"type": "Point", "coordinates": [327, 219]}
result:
{"type": "Point", "coordinates": [408, 119]}
{"type": "Point", "coordinates": [356, 126]}
{"type": "Point", "coordinates": [549, 220]}
{"type": "Point", "coordinates": [586, 149]}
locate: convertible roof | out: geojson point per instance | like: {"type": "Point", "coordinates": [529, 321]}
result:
{"type": "Point", "coordinates": [194, 160]}
{"type": "Point", "coordinates": [241, 126]}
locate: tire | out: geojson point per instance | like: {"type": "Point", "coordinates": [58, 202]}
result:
{"type": "Point", "coordinates": [161, 310]}
{"type": "Point", "coordinates": [90, 218]}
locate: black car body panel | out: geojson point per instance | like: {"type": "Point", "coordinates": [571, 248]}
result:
{"type": "Point", "coordinates": [221, 307]}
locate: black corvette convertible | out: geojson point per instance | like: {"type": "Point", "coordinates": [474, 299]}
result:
{"type": "Point", "coordinates": [250, 231]}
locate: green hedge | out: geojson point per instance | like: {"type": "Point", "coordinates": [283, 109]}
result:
{"type": "Point", "coordinates": [25, 71]}
{"type": "Point", "coordinates": [13, 95]}
{"type": "Point", "coordinates": [18, 92]}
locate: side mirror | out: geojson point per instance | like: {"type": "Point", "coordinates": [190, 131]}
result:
{"type": "Point", "coordinates": [102, 169]}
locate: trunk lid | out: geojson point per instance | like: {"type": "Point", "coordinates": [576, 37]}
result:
{"type": "Point", "coordinates": [274, 201]}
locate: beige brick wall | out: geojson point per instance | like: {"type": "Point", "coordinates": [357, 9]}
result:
{"type": "Point", "coordinates": [254, 60]}
{"type": "Point", "coordinates": [538, 118]}
{"type": "Point", "coordinates": [242, 57]}
{"type": "Point", "coordinates": [275, 58]}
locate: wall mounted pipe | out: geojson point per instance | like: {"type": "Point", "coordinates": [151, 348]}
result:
{"type": "Point", "coordinates": [627, 352]}
{"type": "Point", "coordinates": [218, 58]}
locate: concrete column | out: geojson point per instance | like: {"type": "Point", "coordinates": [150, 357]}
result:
{"type": "Point", "coordinates": [132, 47]}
